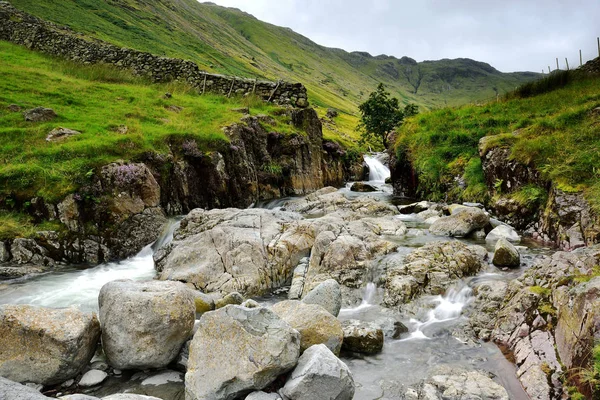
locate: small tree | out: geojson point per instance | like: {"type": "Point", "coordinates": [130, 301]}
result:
{"type": "Point", "coordinates": [380, 114]}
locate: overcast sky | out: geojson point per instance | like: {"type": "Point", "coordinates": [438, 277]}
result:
{"type": "Point", "coordinates": [511, 35]}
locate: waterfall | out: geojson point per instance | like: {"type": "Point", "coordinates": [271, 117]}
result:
{"type": "Point", "coordinates": [81, 288]}
{"type": "Point", "coordinates": [377, 171]}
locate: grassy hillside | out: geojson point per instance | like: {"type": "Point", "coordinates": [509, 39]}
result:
{"type": "Point", "coordinates": [229, 41]}
{"type": "Point", "coordinates": [557, 131]}
{"type": "Point", "coordinates": [97, 101]}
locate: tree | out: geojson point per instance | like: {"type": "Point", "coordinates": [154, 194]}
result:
{"type": "Point", "coordinates": [380, 114]}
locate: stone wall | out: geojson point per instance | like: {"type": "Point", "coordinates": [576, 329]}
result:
{"type": "Point", "coordinates": [23, 29]}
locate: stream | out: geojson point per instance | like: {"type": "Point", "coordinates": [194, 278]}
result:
{"type": "Point", "coordinates": [434, 325]}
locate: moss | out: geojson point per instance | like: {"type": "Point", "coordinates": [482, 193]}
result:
{"type": "Point", "coordinates": [539, 290]}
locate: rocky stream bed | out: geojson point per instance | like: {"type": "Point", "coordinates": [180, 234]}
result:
{"type": "Point", "coordinates": [335, 295]}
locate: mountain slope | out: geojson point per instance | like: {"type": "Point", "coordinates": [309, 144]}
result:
{"type": "Point", "coordinates": [229, 41]}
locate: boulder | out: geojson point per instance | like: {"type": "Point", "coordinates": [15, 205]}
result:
{"type": "Point", "coordinates": [315, 324]}
{"type": "Point", "coordinates": [461, 223]}
{"type": "Point", "coordinates": [39, 114]}
{"type": "Point", "coordinates": [263, 396]}
{"type": "Point", "coordinates": [61, 133]}
{"type": "Point", "coordinates": [362, 187]}
{"type": "Point", "coordinates": [144, 324]}
{"type": "Point", "coordinates": [203, 302]}
{"type": "Point", "coordinates": [129, 396]}
{"type": "Point", "coordinates": [78, 396]}
{"type": "Point", "coordinates": [237, 350]}
{"type": "Point", "coordinates": [10, 390]}
{"type": "Point", "coordinates": [45, 346]}
{"type": "Point", "coordinates": [231, 299]}
{"type": "Point", "coordinates": [319, 375]}
{"type": "Point", "coordinates": [362, 337]}
{"type": "Point", "coordinates": [92, 378]}
{"type": "Point", "coordinates": [506, 255]}
{"type": "Point", "coordinates": [328, 295]}
{"type": "Point", "coordinates": [452, 384]}
{"type": "Point", "coordinates": [503, 231]}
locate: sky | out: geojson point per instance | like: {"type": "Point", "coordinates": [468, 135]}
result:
{"type": "Point", "coordinates": [511, 35]}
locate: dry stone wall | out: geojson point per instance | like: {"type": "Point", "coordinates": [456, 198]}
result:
{"type": "Point", "coordinates": [24, 29]}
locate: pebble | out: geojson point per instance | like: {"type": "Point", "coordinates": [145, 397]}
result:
{"type": "Point", "coordinates": [92, 378]}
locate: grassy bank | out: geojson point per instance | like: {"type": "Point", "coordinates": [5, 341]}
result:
{"type": "Point", "coordinates": [554, 127]}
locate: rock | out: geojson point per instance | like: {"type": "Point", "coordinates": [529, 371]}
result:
{"type": "Point", "coordinates": [14, 108]}
{"type": "Point", "coordinates": [250, 304]}
{"type": "Point", "coordinates": [478, 235]}
{"type": "Point", "coordinates": [461, 223]}
{"type": "Point", "coordinates": [452, 384]}
{"type": "Point", "coordinates": [315, 324]}
{"type": "Point", "coordinates": [167, 95]}
{"type": "Point", "coordinates": [302, 102]}
{"type": "Point", "coordinates": [319, 375]}
{"type": "Point", "coordinates": [297, 286]}
{"type": "Point", "coordinates": [78, 396]}
{"type": "Point", "coordinates": [362, 337]}
{"type": "Point", "coordinates": [122, 129]}
{"type": "Point", "coordinates": [328, 295]}
{"type": "Point", "coordinates": [92, 378]}
{"type": "Point", "coordinates": [231, 299]}
{"type": "Point", "coordinates": [173, 108]}
{"type": "Point", "coordinates": [506, 255]}
{"type": "Point", "coordinates": [144, 324]}
{"type": "Point", "coordinates": [362, 187]}
{"type": "Point", "coordinates": [237, 350]}
{"type": "Point", "coordinates": [39, 114]}
{"type": "Point", "coordinates": [203, 302]}
{"type": "Point", "coordinates": [46, 346]}
{"type": "Point", "coordinates": [415, 208]}
{"type": "Point", "coordinates": [263, 396]}
{"type": "Point", "coordinates": [129, 396]}
{"type": "Point", "coordinates": [503, 231]}
{"type": "Point", "coordinates": [242, 110]}
{"type": "Point", "coordinates": [10, 390]}
{"type": "Point", "coordinates": [61, 133]}
{"type": "Point", "coordinates": [331, 113]}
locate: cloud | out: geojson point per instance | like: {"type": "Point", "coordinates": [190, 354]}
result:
{"type": "Point", "coordinates": [511, 35]}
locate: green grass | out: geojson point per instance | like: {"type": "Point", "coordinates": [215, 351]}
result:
{"type": "Point", "coordinates": [556, 131]}
{"type": "Point", "coordinates": [96, 101]}
{"type": "Point", "coordinates": [229, 41]}
{"type": "Point", "coordinates": [13, 224]}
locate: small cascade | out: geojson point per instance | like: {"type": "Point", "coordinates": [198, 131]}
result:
{"type": "Point", "coordinates": [377, 171]}
{"type": "Point", "coordinates": [449, 307]}
{"type": "Point", "coordinates": [369, 296]}
{"type": "Point", "coordinates": [80, 288]}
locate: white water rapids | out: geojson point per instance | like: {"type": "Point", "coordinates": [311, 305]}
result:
{"type": "Point", "coordinates": [81, 287]}
{"type": "Point", "coordinates": [377, 171]}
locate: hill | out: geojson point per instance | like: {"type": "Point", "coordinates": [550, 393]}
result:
{"type": "Point", "coordinates": [229, 41]}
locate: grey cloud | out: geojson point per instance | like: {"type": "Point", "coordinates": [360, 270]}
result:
{"type": "Point", "coordinates": [511, 35]}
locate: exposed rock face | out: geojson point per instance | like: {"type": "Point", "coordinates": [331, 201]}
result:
{"type": "Point", "coordinates": [362, 337]}
{"type": "Point", "coordinates": [315, 324]}
{"type": "Point", "coordinates": [506, 255]}
{"type": "Point", "coordinates": [237, 350]}
{"type": "Point", "coordinates": [144, 324]}
{"type": "Point", "coordinates": [10, 390]}
{"type": "Point", "coordinates": [39, 114]}
{"type": "Point", "coordinates": [328, 295]}
{"type": "Point", "coordinates": [453, 384]}
{"type": "Point", "coordinates": [45, 346]}
{"type": "Point", "coordinates": [429, 270]}
{"type": "Point", "coordinates": [319, 375]}
{"type": "Point", "coordinates": [60, 134]}
{"type": "Point", "coordinates": [461, 223]}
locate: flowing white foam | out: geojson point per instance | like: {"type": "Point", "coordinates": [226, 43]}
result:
{"type": "Point", "coordinates": [368, 300]}
{"type": "Point", "coordinates": [377, 171]}
{"type": "Point", "coordinates": [81, 288]}
{"type": "Point", "coordinates": [449, 307]}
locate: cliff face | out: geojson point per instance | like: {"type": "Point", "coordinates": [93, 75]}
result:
{"type": "Point", "coordinates": [125, 204]}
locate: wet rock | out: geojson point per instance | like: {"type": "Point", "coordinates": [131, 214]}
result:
{"type": "Point", "coordinates": [144, 324]}
{"type": "Point", "coordinates": [203, 302]}
{"type": "Point", "coordinates": [231, 299]}
{"type": "Point", "coordinates": [430, 269]}
{"type": "Point", "coordinates": [503, 231]}
{"type": "Point", "coordinates": [39, 114]}
{"type": "Point", "coordinates": [452, 384]}
{"type": "Point", "coordinates": [319, 375]}
{"type": "Point", "coordinates": [10, 390]}
{"type": "Point", "coordinates": [362, 187]}
{"type": "Point", "coordinates": [46, 346]}
{"type": "Point", "coordinates": [78, 396]}
{"type": "Point", "coordinates": [415, 208]}
{"type": "Point", "coordinates": [60, 134]}
{"type": "Point", "coordinates": [362, 337]}
{"type": "Point", "coordinates": [92, 378]}
{"type": "Point", "coordinates": [483, 311]}
{"type": "Point", "coordinates": [328, 295]}
{"type": "Point", "coordinates": [250, 304]}
{"type": "Point", "coordinates": [506, 255]}
{"type": "Point", "coordinates": [237, 350]}
{"type": "Point", "coordinates": [297, 286]}
{"type": "Point", "coordinates": [263, 396]}
{"type": "Point", "coordinates": [461, 223]}
{"type": "Point", "coordinates": [129, 396]}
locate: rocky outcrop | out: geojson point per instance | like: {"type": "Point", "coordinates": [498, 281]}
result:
{"type": "Point", "coordinates": [24, 29]}
{"type": "Point", "coordinates": [461, 223]}
{"type": "Point", "coordinates": [45, 346]}
{"type": "Point", "coordinates": [429, 270]}
{"type": "Point", "coordinates": [238, 350]}
{"type": "Point", "coordinates": [328, 295]}
{"type": "Point", "coordinates": [362, 337]}
{"type": "Point", "coordinates": [319, 375]}
{"type": "Point", "coordinates": [145, 324]}
{"type": "Point", "coordinates": [315, 324]}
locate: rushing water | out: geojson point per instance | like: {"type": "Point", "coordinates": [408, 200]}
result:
{"type": "Point", "coordinates": [377, 171]}
{"type": "Point", "coordinates": [80, 287]}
